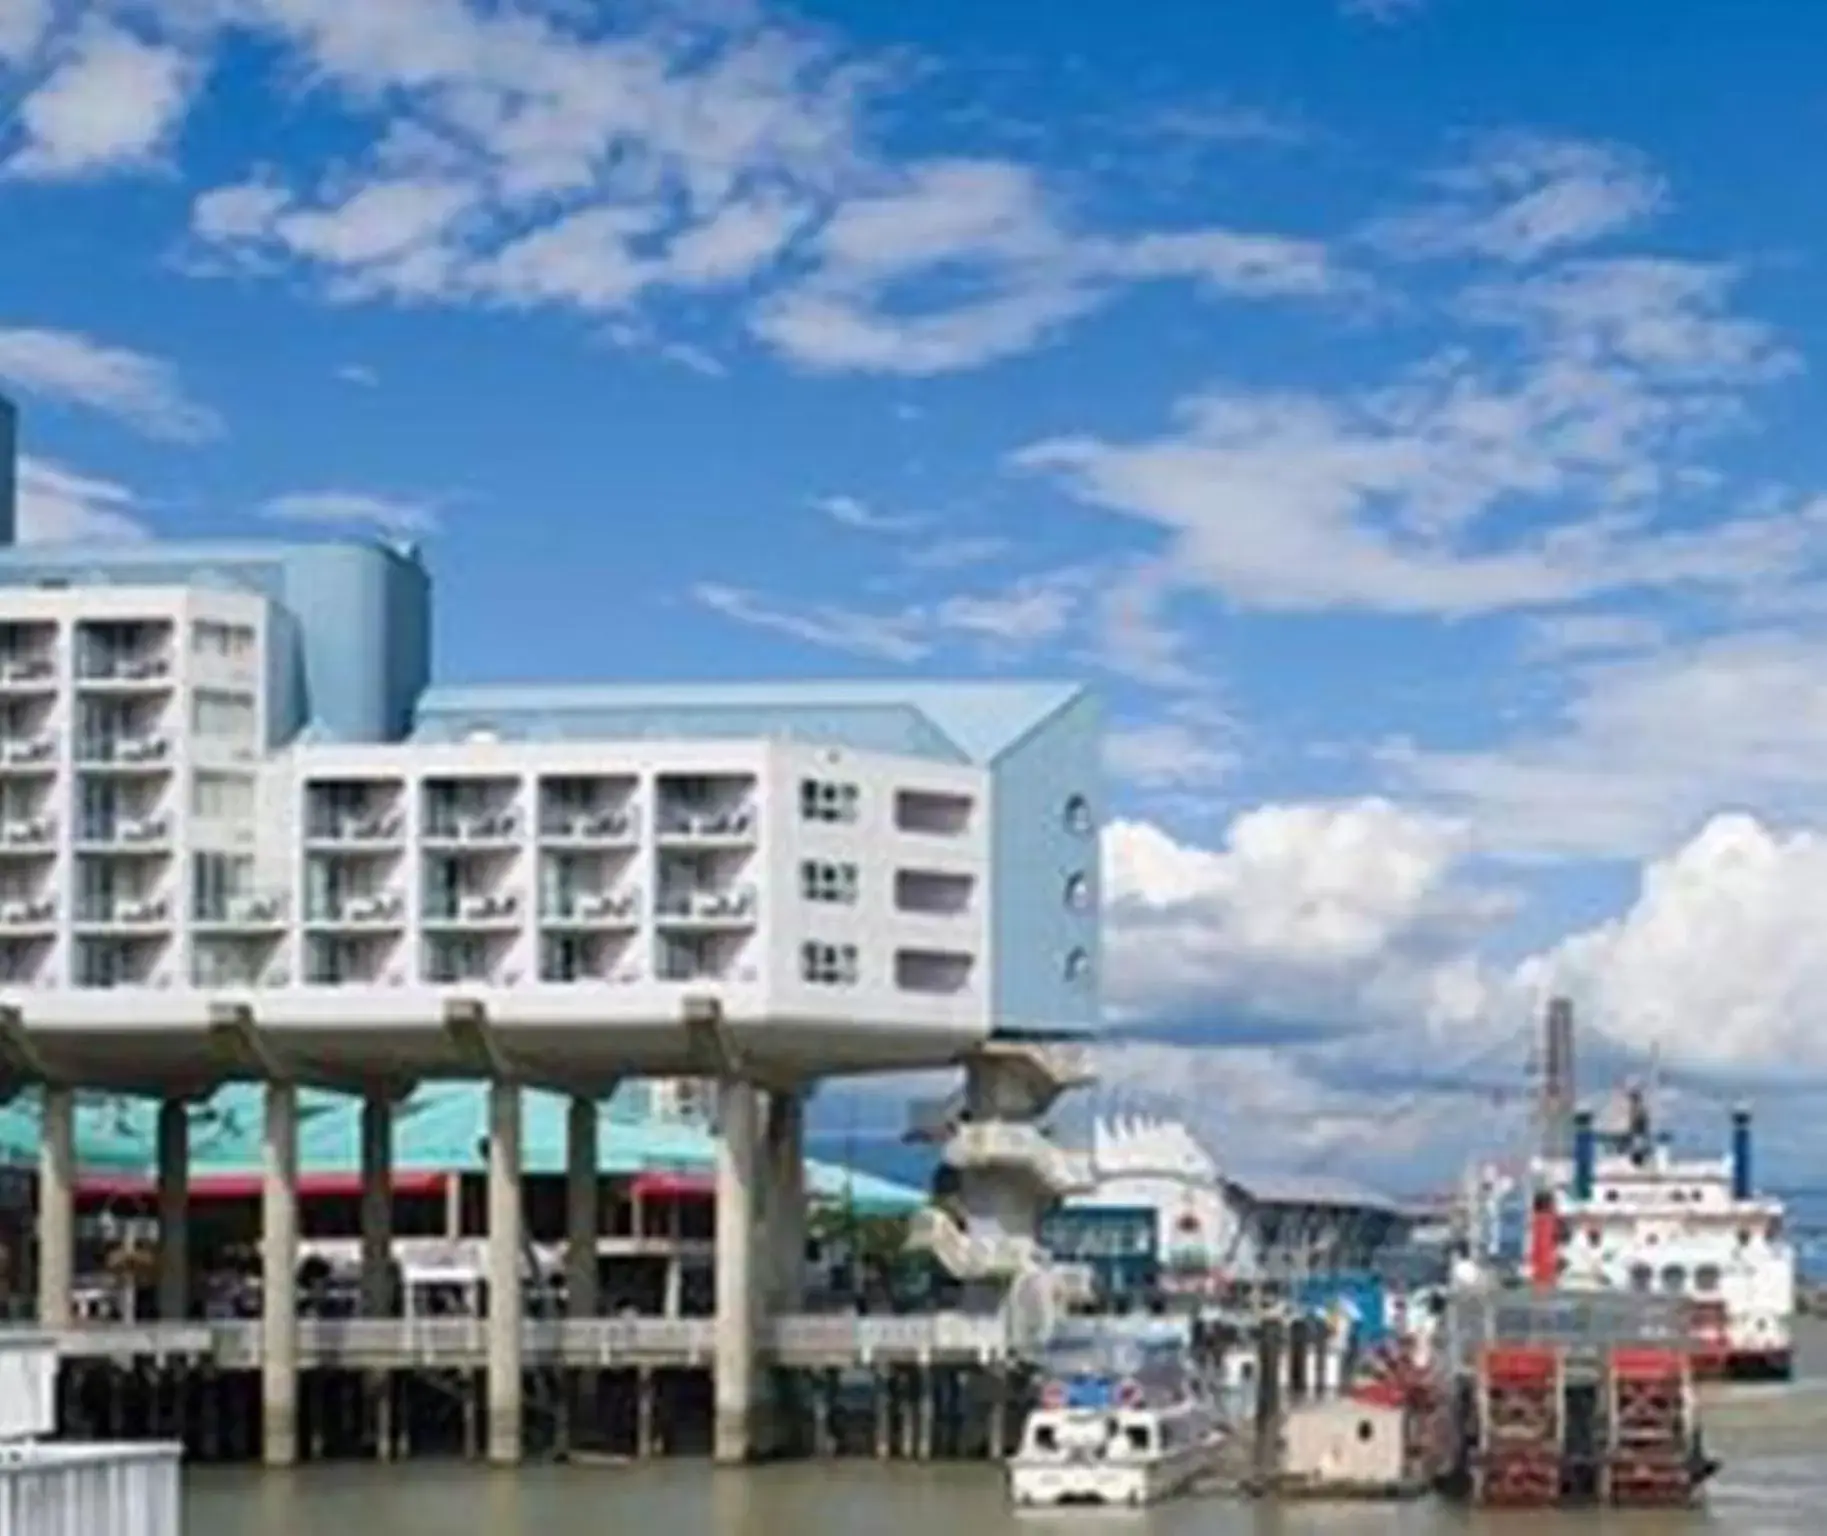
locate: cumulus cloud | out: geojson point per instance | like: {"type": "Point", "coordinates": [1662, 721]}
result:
{"type": "Point", "coordinates": [58, 505]}
{"type": "Point", "coordinates": [1307, 919]}
{"type": "Point", "coordinates": [112, 100]}
{"type": "Point", "coordinates": [1333, 977]}
{"type": "Point", "coordinates": [71, 368]}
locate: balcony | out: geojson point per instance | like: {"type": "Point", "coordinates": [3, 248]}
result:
{"type": "Point", "coordinates": [481, 829]}
{"type": "Point", "coordinates": [28, 833]}
{"type": "Point", "coordinates": [148, 751]}
{"type": "Point", "coordinates": [731, 825]}
{"type": "Point", "coordinates": [590, 829]}
{"type": "Point", "coordinates": [31, 673]}
{"type": "Point", "coordinates": [376, 909]}
{"type": "Point", "coordinates": [148, 834]}
{"type": "Point", "coordinates": [125, 912]}
{"type": "Point", "coordinates": [32, 752]}
{"type": "Point", "coordinates": [732, 907]}
{"type": "Point", "coordinates": [97, 666]}
{"type": "Point", "coordinates": [594, 909]}
{"type": "Point", "coordinates": [475, 909]}
{"type": "Point", "coordinates": [597, 959]}
{"type": "Point", "coordinates": [34, 912]}
{"type": "Point", "coordinates": [371, 829]}
{"type": "Point", "coordinates": [251, 914]}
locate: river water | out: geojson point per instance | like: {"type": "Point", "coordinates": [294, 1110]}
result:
{"type": "Point", "coordinates": [1773, 1441]}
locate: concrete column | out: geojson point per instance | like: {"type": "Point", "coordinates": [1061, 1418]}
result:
{"type": "Point", "coordinates": [505, 1304]}
{"type": "Point", "coordinates": [673, 1304]}
{"type": "Point", "coordinates": [377, 1205]}
{"type": "Point", "coordinates": [174, 1210]}
{"type": "Point", "coordinates": [279, 1277]}
{"type": "Point", "coordinates": [737, 1158]}
{"type": "Point", "coordinates": [787, 1208]}
{"type": "Point", "coordinates": [57, 1209]}
{"type": "Point", "coordinates": [581, 1221]}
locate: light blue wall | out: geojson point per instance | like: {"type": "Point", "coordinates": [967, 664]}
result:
{"type": "Point", "coordinates": [352, 644]}
{"type": "Point", "coordinates": [1032, 929]}
{"type": "Point", "coordinates": [875, 729]}
{"type": "Point", "coordinates": [9, 481]}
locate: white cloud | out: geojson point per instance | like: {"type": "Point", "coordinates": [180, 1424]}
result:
{"type": "Point", "coordinates": [854, 512]}
{"type": "Point", "coordinates": [1385, 499]}
{"type": "Point", "coordinates": [60, 506]}
{"type": "Point", "coordinates": [68, 367]}
{"type": "Point", "coordinates": [23, 26]}
{"type": "Point", "coordinates": [1029, 271]}
{"type": "Point", "coordinates": [111, 102]}
{"type": "Point", "coordinates": [1308, 917]}
{"type": "Point", "coordinates": [355, 508]}
{"type": "Point", "coordinates": [1520, 197]}
{"type": "Point", "coordinates": [884, 637]}
{"type": "Point", "coordinates": [1718, 964]}
{"type": "Point", "coordinates": [1168, 754]}
{"type": "Point", "coordinates": [1327, 977]}
{"type": "Point", "coordinates": [1013, 619]}
{"type": "Point", "coordinates": [1647, 746]}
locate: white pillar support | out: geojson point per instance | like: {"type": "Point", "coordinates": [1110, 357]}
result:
{"type": "Point", "coordinates": [582, 1217]}
{"type": "Point", "coordinates": [377, 1204]}
{"type": "Point", "coordinates": [787, 1206]}
{"type": "Point", "coordinates": [505, 1301]}
{"type": "Point", "coordinates": [279, 1278]}
{"type": "Point", "coordinates": [174, 1210]}
{"type": "Point", "coordinates": [57, 1209]}
{"type": "Point", "coordinates": [737, 1157]}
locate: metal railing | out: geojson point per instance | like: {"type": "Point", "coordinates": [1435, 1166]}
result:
{"type": "Point", "coordinates": [430, 1343]}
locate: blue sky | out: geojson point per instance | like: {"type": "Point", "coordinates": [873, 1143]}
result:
{"type": "Point", "coordinates": [1400, 410]}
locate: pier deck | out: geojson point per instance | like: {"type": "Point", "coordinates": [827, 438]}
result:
{"type": "Point", "coordinates": [809, 1342]}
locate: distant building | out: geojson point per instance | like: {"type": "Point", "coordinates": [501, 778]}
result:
{"type": "Point", "coordinates": [1161, 1202]}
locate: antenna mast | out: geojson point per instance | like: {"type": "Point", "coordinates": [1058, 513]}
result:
{"type": "Point", "coordinates": [1559, 1091]}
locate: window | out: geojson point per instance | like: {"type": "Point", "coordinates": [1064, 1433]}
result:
{"type": "Point", "coordinates": [457, 959]}
{"type": "Point", "coordinates": [222, 797]}
{"type": "Point", "coordinates": [1078, 892]}
{"type": "Point", "coordinates": [1706, 1277]}
{"type": "Point", "coordinates": [222, 642]}
{"type": "Point", "coordinates": [820, 881]}
{"type": "Point", "coordinates": [1077, 816]}
{"type": "Point", "coordinates": [1078, 966]}
{"type": "Point", "coordinates": [222, 716]}
{"type": "Point", "coordinates": [821, 800]}
{"type": "Point", "coordinates": [216, 879]}
{"type": "Point", "coordinates": [828, 965]}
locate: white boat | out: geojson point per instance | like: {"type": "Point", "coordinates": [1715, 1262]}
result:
{"type": "Point", "coordinates": [1122, 1421]}
{"type": "Point", "coordinates": [1628, 1214]}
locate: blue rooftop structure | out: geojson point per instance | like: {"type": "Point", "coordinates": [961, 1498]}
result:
{"type": "Point", "coordinates": [440, 1128]}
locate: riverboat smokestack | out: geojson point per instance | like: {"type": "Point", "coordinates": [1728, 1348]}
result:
{"type": "Point", "coordinates": [1585, 1155]}
{"type": "Point", "coordinates": [1544, 1242]}
{"type": "Point", "coordinates": [1741, 1154]}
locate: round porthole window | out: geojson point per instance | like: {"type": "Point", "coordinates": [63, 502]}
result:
{"type": "Point", "coordinates": [1078, 965]}
{"type": "Point", "coordinates": [1078, 892]}
{"type": "Point", "coordinates": [1078, 816]}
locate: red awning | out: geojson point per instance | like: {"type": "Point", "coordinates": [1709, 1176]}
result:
{"type": "Point", "coordinates": [673, 1186]}
{"type": "Point", "coordinates": [246, 1186]}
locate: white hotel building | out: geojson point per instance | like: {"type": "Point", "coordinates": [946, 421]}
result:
{"type": "Point", "coordinates": [242, 836]}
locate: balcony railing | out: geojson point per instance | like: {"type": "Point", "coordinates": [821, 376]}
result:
{"type": "Point", "coordinates": [147, 750]}
{"type": "Point", "coordinates": [135, 912]}
{"type": "Point", "coordinates": [593, 906]}
{"type": "Point", "coordinates": [474, 907]}
{"type": "Point", "coordinates": [242, 912]}
{"type": "Point", "coordinates": [374, 909]}
{"type": "Point", "coordinates": [731, 822]}
{"type": "Point", "coordinates": [28, 832]}
{"type": "Point", "coordinates": [483, 827]}
{"type": "Point", "coordinates": [15, 670]}
{"type": "Point", "coordinates": [736, 904]}
{"type": "Point", "coordinates": [28, 912]}
{"type": "Point", "coordinates": [22, 751]}
{"type": "Point", "coordinates": [358, 827]}
{"type": "Point", "coordinates": [122, 668]}
{"type": "Point", "coordinates": [588, 826]}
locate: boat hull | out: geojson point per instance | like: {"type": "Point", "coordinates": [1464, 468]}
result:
{"type": "Point", "coordinates": [1041, 1483]}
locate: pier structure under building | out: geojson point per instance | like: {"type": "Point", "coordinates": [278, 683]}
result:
{"type": "Point", "coordinates": [245, 839]}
